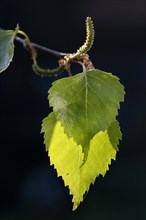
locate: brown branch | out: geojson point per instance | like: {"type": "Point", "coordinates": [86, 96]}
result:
{"type": "Point", "coordinates": [39, 47]}
{"type": "Point", "coordinates": [42, 48]}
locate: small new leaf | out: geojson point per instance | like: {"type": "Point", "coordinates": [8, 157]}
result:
{"type": "Point", "coordinates": [6, 48]}
{"type": "Point", "coordinates": [67, 157]}
{"type": "Point", "coordinates": [86, 104]}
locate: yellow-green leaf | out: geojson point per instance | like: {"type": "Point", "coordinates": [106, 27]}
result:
{"type": "Point", "coordinates": [67, 157]}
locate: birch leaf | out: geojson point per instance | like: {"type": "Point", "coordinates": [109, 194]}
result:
{"type": "Point", "coordinates": [86, 104]}
{"type": "Point", "coordinates": [6, 48]}
{"type": "Point", "coordinates": [67, 157]}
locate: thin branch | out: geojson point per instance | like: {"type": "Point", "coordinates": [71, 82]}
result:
{"type": "Point", "coordinates": [41, 48]}
{"type": "Point", "coordinates": [48, 50]}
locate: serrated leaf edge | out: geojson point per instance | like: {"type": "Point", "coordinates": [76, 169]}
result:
{"type": "Point", "coordinates": [109, 161]}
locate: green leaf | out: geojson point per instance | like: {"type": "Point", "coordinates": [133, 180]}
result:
{"type": "Point", "coordinates": [6, 48]}
{"type": "Point", "coordinates": [67, 157]}
{"type": "Point", "coordinates": [86, 103]}
{"type": "Point", "coordinates": [48, 127]}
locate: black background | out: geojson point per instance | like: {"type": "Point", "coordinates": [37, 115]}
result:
{"type": "Point", "coordinates": [29, 187]}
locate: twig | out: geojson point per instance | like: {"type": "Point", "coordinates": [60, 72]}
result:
{"type": "Point", "coordinates": [41, 48]}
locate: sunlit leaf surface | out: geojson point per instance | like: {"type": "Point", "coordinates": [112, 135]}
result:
{"type": "Point", "coordinates": [67, 157]}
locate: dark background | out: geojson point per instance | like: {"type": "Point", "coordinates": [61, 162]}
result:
{"type": "Point", "coordinates": [29, 187]}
